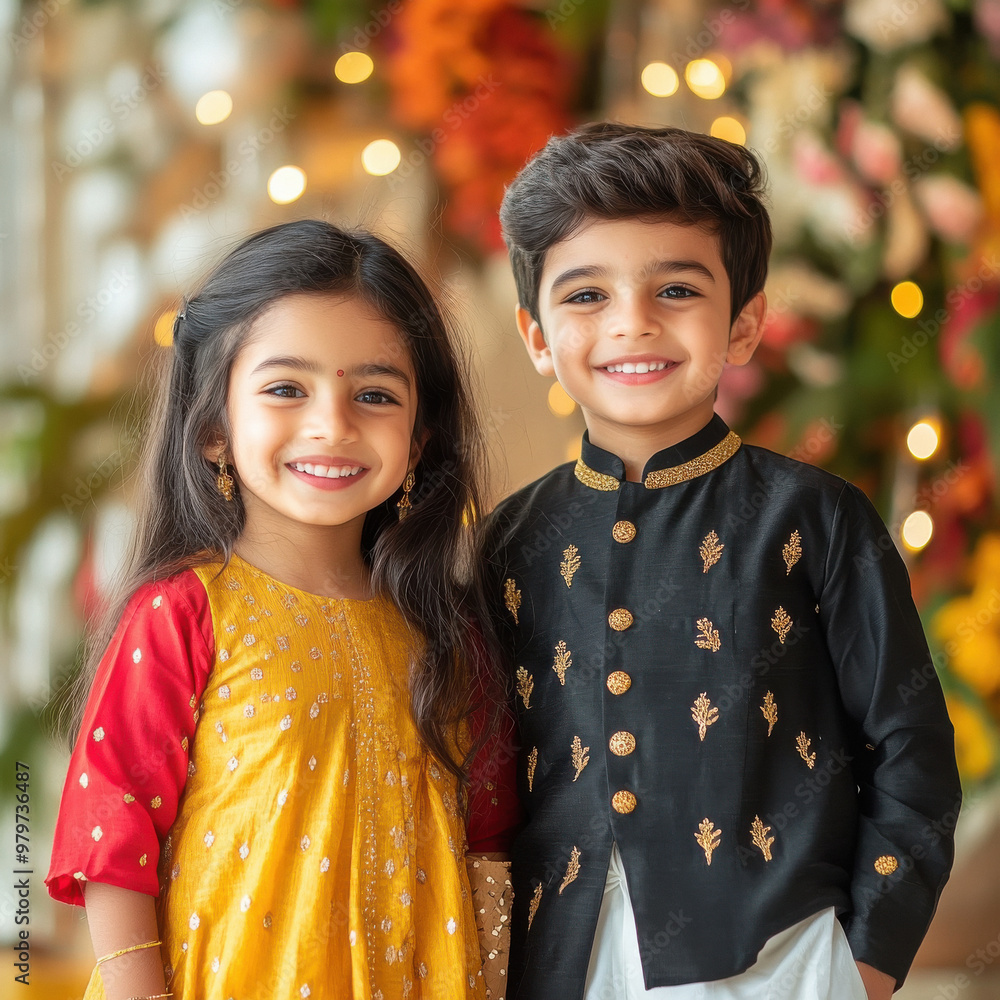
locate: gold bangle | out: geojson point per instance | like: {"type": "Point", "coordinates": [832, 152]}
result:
{"type": "Point", "coordinates": [154, 996]}
{"type": "Point", "coordinates": [125, 951]}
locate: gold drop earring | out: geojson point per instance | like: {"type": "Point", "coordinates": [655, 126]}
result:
{"type": "Point", "coordinates": [404, 506]}
{"type": "Point", "coordinates": [224, 481]}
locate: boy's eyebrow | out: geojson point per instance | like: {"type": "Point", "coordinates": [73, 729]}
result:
{"type": "Point", "coordinates": [655, 267]}
{"type": "Point", "coordinates": [371, 369]}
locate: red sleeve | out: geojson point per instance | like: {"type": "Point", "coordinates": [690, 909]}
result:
{"type": "Point", "coordinates": [130, 762]}
{"type": "Point", "coordinates": [495, 811]}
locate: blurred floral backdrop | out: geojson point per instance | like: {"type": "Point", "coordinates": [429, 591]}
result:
{"type": "Point", "coordinates": [148, 137]}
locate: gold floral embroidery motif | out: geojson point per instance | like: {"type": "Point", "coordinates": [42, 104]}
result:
{"type": "Point", "coordinates": [710, 551]}
{"type": "Point", "coordinates": [792, 552]}
{"type": "Point", "coordinates": [781, 623]}
{"type": "Point", "coordinates": [708, 838]}
{"type": "Point", "coordinates": [594, 479]}
{"type": "Point", "coordinates": [802, 744]}
{"type": "Point", "coordinates": [770, 711]}
{"type": "Point", "coordinates": [562, 661]}
{"type": "Point", "coordinates": [708, 637]}
{"type": "Point", "coordinates": [581, 756]}
{"type": "Point", "coordinates": [759, 832]}
{"type": "Point", "coordinates": [525, 685]}
{"type": "Point", "coordinates": [712, 459]}
{"type": "Point", "coordinates": [532, 764]}
{"type": "Point", "coordinates": [569, 565]}
{"type": "Point", "coordinates": [704, 715]}
{"type": "Point", "coordinates": [512, 598]}
{"type": "Point", "coordinates": [572, 869]}
{"type": "Point", "coordinates": [533, 905]}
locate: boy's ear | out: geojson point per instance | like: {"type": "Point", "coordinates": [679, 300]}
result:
{"type": "Point", "coordinates": [746, 331]}
{"type": "Point", "coordinates": [534, 342]}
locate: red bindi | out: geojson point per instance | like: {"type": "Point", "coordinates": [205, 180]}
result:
{"type": "Point", "coordinates": [340, 372]}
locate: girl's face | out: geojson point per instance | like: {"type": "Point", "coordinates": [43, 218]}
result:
{"type": "Point", "coordinates": [322, 404]}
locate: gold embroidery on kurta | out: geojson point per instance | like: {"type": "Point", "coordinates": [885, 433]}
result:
{"type": "Point", "coordinates": [708, 637]}
{"type": "Point", "coordinates": [569, 565]}
{"type": "Point", "coordinates": [581, 756]}
{"type": "Point", "coordinates": [533, 905]}
{"type": "Point", "coordinates": [620, 619]}
{"type": "Point", "coordinates": [781, 623]}
{"type": "Point", "coordinates": [562, 661]}
{"type": "Point", "coordinates": [886, 864]}
{"type": "Point", "coordinates": [770, 711]}
{"type": "Point", "coordinates": [759, 832]}
{"type": "Point", "coordinates": [792, 552]}
{"type": "Point", "coordinates": [712, 459]}
{"type": "Point", "coordinates": [512, 598]}
{"type": "Point", "coordinates": [525, 685]}
{"type": "Point", "coordinates": [532, 764]}
{"type": "Point", "coordinates": [710, 551]}
{"type": "Point", "coordinates": [703, 714]}
{"type": "Point", "coordinates": [802, 744]}
{"type": "Point", "coordinates": [572, 869]}
{"type": "Point", "coordinates": [708, 838]}
{"type": "Point", "coordinates": [594, 479]}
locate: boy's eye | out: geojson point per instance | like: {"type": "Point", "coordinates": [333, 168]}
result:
{"type": "Point", "coordinates": [376, 397]}
{"type": "Point", "coordinates": [587, 297]}
{"type": "Point", "coordinates": [285, 391]}
{"type": "Point", "coordinates": [678, 292]}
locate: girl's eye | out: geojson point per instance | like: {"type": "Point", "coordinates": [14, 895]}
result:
{"type": "Point", "coordinates": [376, 397]}
{"type": "Point", "coordinates": [678, 292]}
{"type": "Point", "coordinates": [285, 391]}
{"type": "Point", "coordinates": [587, 297]}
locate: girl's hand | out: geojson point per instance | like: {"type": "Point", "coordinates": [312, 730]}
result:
{"type": "Point", "coordinates": [878, 985]}
{"type": "Point", "coordinates": [121, 918]}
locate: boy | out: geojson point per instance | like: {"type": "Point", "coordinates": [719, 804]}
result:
{"type": "Point", "coordinates": [721, 749]}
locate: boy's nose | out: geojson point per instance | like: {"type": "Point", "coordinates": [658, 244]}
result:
{"type": "Point", "coordinates": [632, 320]}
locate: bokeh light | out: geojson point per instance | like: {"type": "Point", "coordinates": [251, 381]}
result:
{"type": "Point", "coordinates": [380, 157]}
{"type": "Point", "coordinates": [660, 80]}
{"type": "Point", "coordinates": [286, 184]}
{"type": "Point", "coordinates": [917, 530]}
{"type": "Point", "coordinates": [163, 329]}
{"type": "Point", "coordinates": [353, 67]}
{"type": "Point", "coordinates": [705, 79]}
{"type": "Point", "coordinates": [730, 129]}
{"type": "Point", "coordinates": [560, 402]}
{"type": "Point", "coordinates": [923, 439]}
{"type": "Point", "coordinates": [214, 107]}
{"type": "Point", "coordinates": [907, 299]}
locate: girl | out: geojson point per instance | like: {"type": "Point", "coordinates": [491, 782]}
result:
{"type": "Point", "coordinates": [263, 800]}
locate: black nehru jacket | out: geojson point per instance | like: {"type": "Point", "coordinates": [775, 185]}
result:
{"type": "Point", "coordinates": [721, 669]}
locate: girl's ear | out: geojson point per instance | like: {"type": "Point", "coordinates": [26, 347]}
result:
{"type": "Point", "coordinates": [417, 446]}
{"type": "Point", "coordinates": [746, 331]}
{"type": "Point", "coordinates": [215, 447]}
{"type": "Point", "coordinates": [534, 342]}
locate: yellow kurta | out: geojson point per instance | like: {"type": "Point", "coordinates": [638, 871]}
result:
{"type": "Point", "coordinates": [317, 849]}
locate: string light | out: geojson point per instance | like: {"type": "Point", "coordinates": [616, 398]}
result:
{"type": "Point", "coordinates": [286, 185]}
{"type": "Point", "coordinates": [705, 79]}
{"type": "Point", "coordinates": [730, 129]}
{"type": "Point", "coordinates": [907, 299]}
{"type": "Point", "coordinates": [560, 402]}
{"type": "Point", "coordinates": [660, 80]}
{"type": "Point", "coordinates": [214, 107]}
{"type": "Point", "coordinates": [353, 67]}
{"type": "Point", "coordinates": [923, 439]}
{"type": "Point", "coordinates": [380, 157]}
{"type": "Point", "coordinates": [917, 530]}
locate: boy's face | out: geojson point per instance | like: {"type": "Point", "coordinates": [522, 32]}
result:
{"type": "Point", "coordinates": [635, 324]}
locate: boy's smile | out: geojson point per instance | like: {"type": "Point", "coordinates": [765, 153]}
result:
{"type": "Point", "coordinates": [635, 323]}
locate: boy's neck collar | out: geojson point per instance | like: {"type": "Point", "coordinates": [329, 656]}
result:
{"type": "Point", "coordinates": [694, 456]}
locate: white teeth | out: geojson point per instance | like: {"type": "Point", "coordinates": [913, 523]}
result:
{"type": "Point", "coordinates": [639, 368]}
{"type": "Point", "coordinates": [326, 472]}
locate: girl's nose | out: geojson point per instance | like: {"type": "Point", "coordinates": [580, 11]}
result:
{"type": "Point", "coordinates": [332, 420]}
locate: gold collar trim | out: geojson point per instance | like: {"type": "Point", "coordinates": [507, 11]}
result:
{"type": "Point", "coordinates": [659, 478]}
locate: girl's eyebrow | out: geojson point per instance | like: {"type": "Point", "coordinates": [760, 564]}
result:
{"type": "Point", "coordinates": [371, 369]}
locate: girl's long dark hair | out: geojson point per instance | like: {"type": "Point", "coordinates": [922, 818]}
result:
{"type": "Point", "coordinates": [420, 563]}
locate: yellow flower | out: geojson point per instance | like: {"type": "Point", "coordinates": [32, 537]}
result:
{"type": "Point", "coordinates": [974, 743]}
{"type": "Point", "coordinates": [984, 568]}
{"type": "Point", "coordinates": [976, 659]}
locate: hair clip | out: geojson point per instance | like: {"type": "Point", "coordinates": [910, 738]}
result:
{"type": "Point", "coordinates": [179, 318]}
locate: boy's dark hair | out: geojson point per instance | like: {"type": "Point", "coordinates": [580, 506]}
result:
{"type": "Point", "coordinates": [607, 170]}
{"type": "Point", "coordinates": [419, 563]}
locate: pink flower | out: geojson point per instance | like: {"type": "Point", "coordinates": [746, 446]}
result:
{"type": "Point", "coordinates": [953, 209]}
{"type": "Point", "coordinates": [876, 152]}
